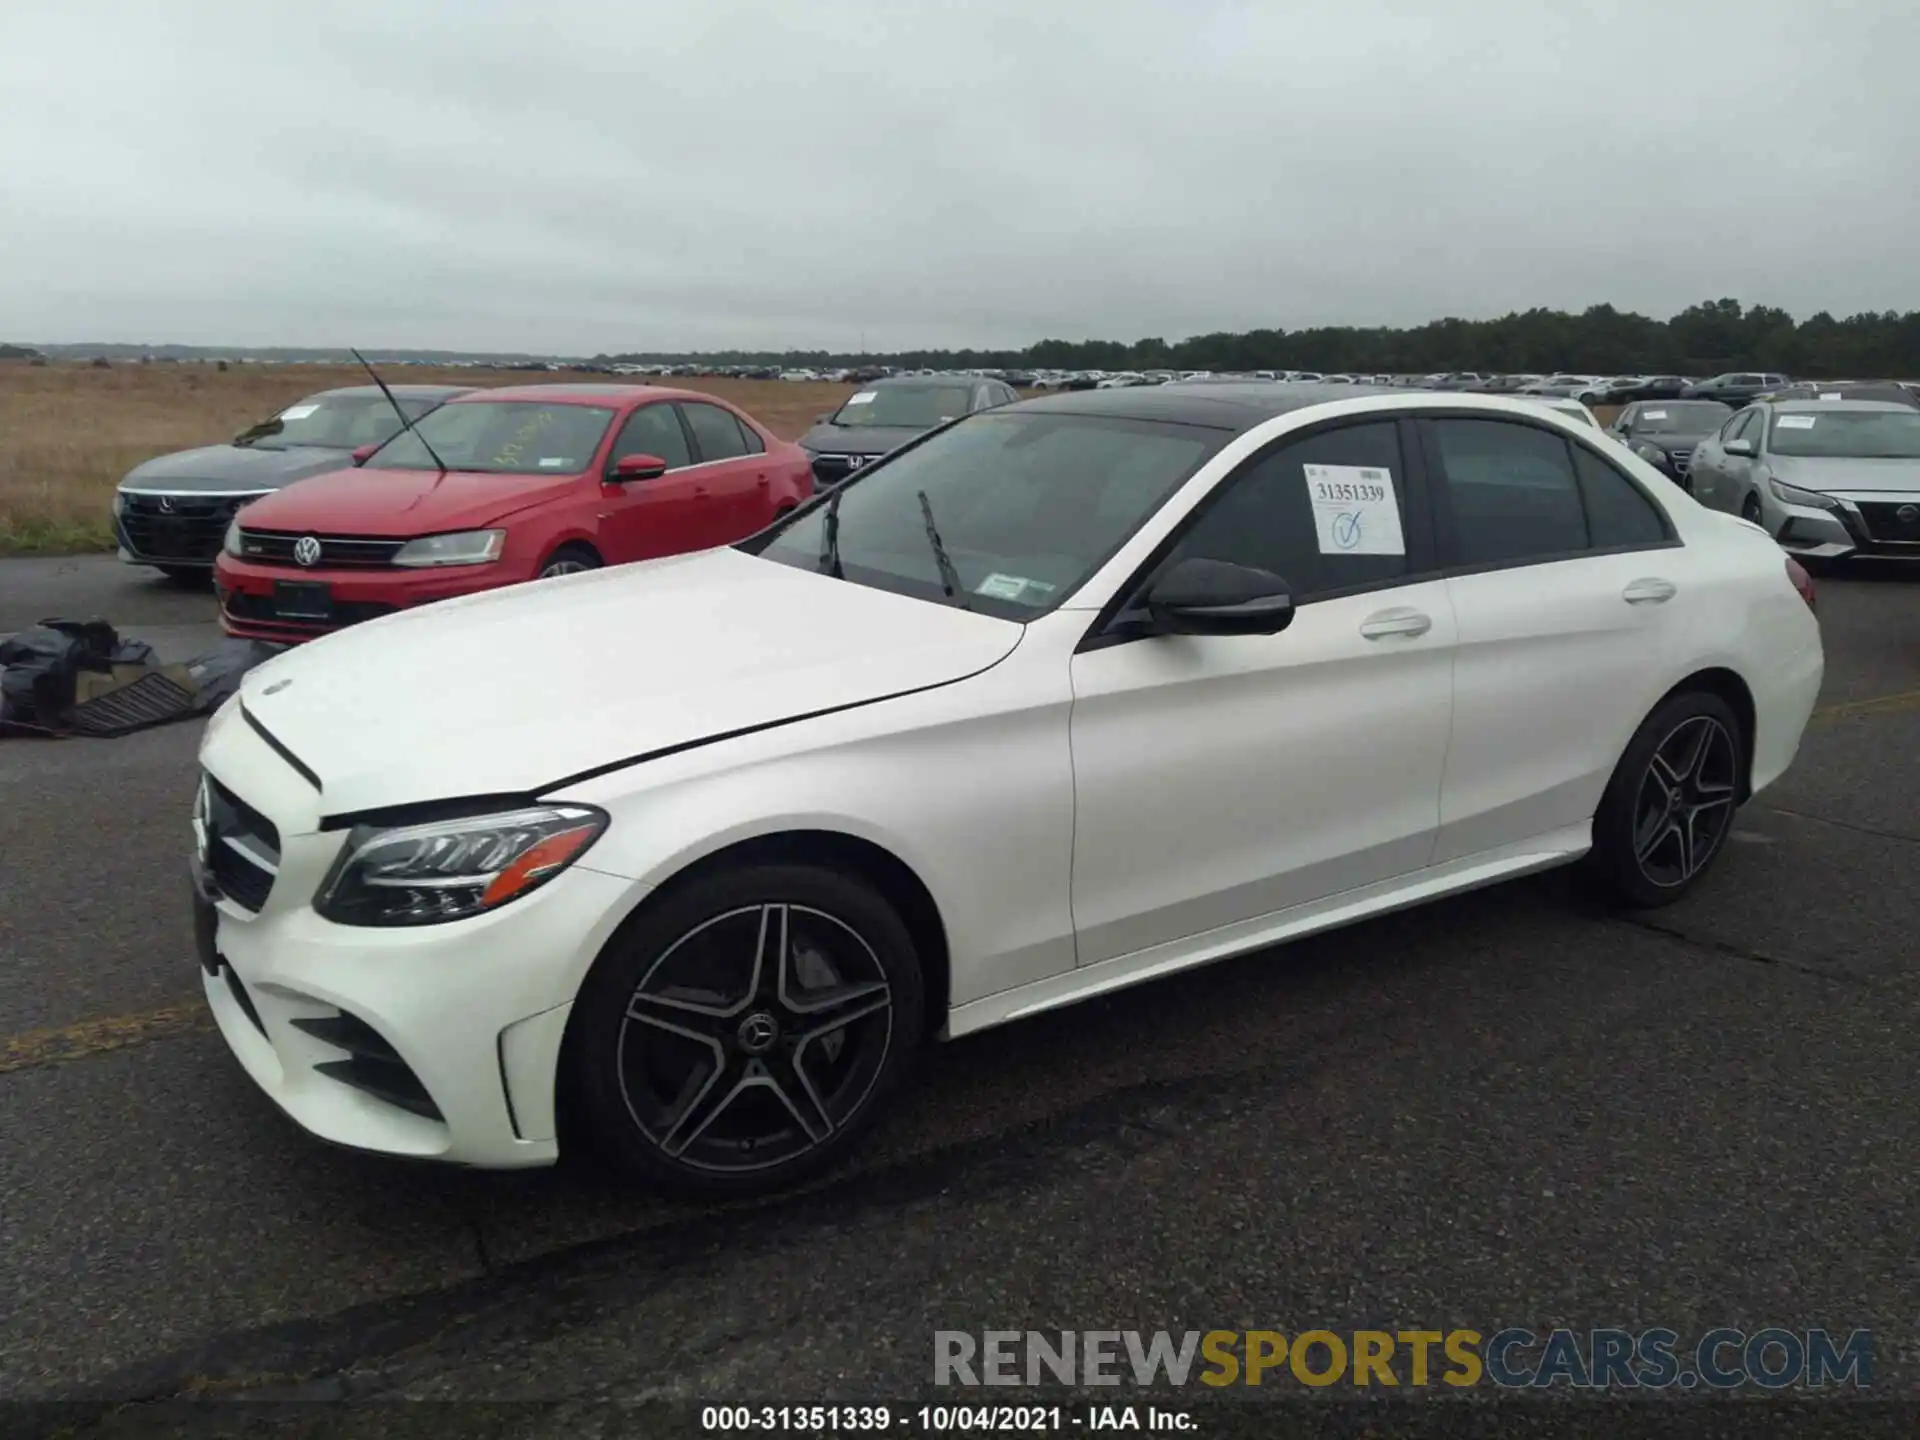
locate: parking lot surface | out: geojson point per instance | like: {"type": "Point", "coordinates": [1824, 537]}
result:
{"type": "Point", "coordinates": [1507, 1108]}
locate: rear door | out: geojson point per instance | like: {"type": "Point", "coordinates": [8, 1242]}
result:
{"type": "Point", "coordinates": [738, 495]}
{"type": "Point", "coordinates": [1569, 588]}
{"type": "Point", "coordinates": [667, 515]}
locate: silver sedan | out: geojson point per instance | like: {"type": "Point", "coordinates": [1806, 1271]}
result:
{"type": "Point", "coordinates": [1826, 478]}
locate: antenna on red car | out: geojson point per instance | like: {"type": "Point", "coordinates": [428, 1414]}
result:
{"type": "Point", "coordinates": [405, 423]}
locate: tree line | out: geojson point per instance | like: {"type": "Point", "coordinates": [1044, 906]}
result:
{"type": "Point", "coordinates": [1703, 339]}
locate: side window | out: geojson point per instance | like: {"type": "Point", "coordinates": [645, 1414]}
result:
{"type": "Point", "coordinates": [1511, 490]}
{"type": "Point", "coordinates": [750, 438]}
{"type": "Point", "coordinates": [653, 430]}
{"type": "Point", "coordinates": [1617, 512]}
{"type": "Point", "coordinates": [715, 431]}
{"type": "Point", "coordinates": [1325, 513]}
{"type": "Point", "coordinates": [1731, 430]}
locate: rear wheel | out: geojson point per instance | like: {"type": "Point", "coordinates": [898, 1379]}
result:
{"type": "Point", "coordinates": [569, 560]}
{"type": "Point", "coordinates": [1670, 805]}
{"type": "Point", "coordinates": [744, 1032]}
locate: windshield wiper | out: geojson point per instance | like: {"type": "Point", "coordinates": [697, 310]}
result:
{"type": "Point", "coordinates": [254, 434]}
{"type": "Point", "coordinates": [949, 577]}
{"type": "Point", "coordinates": [830, 536]}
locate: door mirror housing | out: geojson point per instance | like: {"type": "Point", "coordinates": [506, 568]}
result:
{"type": "Point", "coordinates": [364, 453]}
{"type": "Point", "coordinates": [1739, 447]}
{"type": "Point", "coordinates": [1217, 597]}
{"type": "Point", "coordinates": [637, 467]}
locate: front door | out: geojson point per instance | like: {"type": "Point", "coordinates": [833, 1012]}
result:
{"type": "Point", "coordinates": [1218, 779]}
{"type": "Point", "coordinates": [666, 515]}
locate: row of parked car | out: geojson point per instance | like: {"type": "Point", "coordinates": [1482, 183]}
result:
{"type": "Point", "coordinates": [361, 501]}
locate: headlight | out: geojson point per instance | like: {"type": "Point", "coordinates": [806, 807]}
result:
{"type": "Point", "coordinates": [1652, 454]}
{"type": "Point", "coordinates": [1794, 495]}
{"type": "Point", "coordinates": [453, 869]}
{"type": "Point", "coordinates": [119, 503]}
{"type": "Point", "coordinates": [469, 547]}
{"type": "Point", "coordinates": [232, 543]}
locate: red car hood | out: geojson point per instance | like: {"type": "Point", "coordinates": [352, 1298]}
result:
{"type": "Point", "coordinates": [401, 502]}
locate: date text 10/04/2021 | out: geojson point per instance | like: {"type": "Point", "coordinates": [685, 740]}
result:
{"type": "Point", "coordinates": [941, 1419]}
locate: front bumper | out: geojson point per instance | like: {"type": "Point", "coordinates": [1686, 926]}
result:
{"type": "Point", "coordinates": [1872, 524]}
{"type": "Point", "coordinates": [251, 603]}
{"type": "Point", "coordinates": [436, 1042]}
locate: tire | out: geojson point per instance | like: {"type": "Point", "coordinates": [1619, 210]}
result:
{"type": "Point", "coordinates": [569, 560]}
{"type": "Point", "coordinates": [692, 1063]}
{"type": "Point", "coordinates": [1750, 510]}
{"type": "Point", "coordinates": [1669, 808]}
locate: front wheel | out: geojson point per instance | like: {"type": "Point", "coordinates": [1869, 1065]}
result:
{"type": "Point", "coordinates": [569, 560]}
{"type": "Point", "coordinates": [1670, 805]}
{"type": "Point", "coordinates": [1750, 510]}
{"type": "Point", "coordinates": [744, 1032]}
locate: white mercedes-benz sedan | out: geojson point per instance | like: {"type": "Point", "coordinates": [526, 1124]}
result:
{"type": "Point", "coordinates": [684, 861]}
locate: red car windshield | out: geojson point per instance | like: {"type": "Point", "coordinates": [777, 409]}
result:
{"type": "Point", "coordinates": [500, 437]}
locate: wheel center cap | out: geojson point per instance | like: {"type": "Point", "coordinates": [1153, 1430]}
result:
{"type": "Point", "coordinates": [758, 1032]}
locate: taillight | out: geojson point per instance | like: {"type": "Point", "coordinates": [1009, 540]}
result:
{"type": "Point", "coordinates": [1802, 581]}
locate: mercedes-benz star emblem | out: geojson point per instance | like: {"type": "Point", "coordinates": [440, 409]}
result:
{"type": "Point", "coordinates": [166, 504]}
{"type": "Point", "coordinates": [758, 1032]}
{"type": "Point", "coordinates": [1908, 514]}
{"type": "Point", "coordinates": [306, 551]}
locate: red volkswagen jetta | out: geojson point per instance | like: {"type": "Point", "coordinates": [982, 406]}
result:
{"type": "Point", "coordinates": [501, 486]}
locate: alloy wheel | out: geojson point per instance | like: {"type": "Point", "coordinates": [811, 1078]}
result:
{"type": "Point", "coordinates": [566, 565]}
{"type": "Point", "coordinates": [1685, 804]}
{"type": "Point", "coordinates": [754, 1038]}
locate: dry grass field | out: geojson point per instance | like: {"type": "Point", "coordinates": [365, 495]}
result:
{"type": "Point", "coordinates": [69, 432]}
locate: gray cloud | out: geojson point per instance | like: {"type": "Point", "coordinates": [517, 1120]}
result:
{"type": "Point", "coordinates": [581, 175]}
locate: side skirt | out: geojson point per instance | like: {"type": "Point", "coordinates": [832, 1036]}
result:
{"type": "Point", "coordinates": [1470, 872]}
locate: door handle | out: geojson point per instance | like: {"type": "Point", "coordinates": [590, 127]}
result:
{"type": "Point", "coordinates": [1649, 592]}
{"type": "Point", "coordinates": [1395, 622]}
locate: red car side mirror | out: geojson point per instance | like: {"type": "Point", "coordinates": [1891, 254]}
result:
{"type": "Point", "coordinates": [365, 453]}
{"type": "Point", "coordinates": [638, 467]}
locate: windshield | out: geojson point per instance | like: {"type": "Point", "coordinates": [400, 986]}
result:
{"type": "Point", "coordinates": [1848, 434]}
{"type": "Point", "coordinates": [1028, 505]}
{"type": "Point", "coordinates": [1680, 419]}
{"type": "Point", "coordinates": [911, 407]}
{"type": "Point", "coordinates": [333, 422]}
{"type": "Point", "coordinates": [501, 437]}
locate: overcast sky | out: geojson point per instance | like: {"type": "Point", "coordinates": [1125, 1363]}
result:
{"type": "Point", "coordinates": [578, 176]}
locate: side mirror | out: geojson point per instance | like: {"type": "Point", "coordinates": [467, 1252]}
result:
{"type": "Point", "coordinates": [1738, 447]}
{"type": "Point", "coordinates": [637, 467]}
{"type": "Point", "coordinates": [365, 452]}
{"type": "Point", "coordinates": [1216, 597]}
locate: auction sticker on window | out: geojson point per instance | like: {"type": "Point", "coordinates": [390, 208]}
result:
{"type": "Point", "coordinates": [1796, 422]}
{"type": "Point", "coordinates": [298, 412]}
{"type": "Point", "coordinates": [1355, 510]}
{"type": "Point", "coordinates": [865, 397]}
{"type": "Point", "coordinates": [1654, 415]}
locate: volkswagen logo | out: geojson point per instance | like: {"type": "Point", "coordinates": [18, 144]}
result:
{"type": "Point", "coordinates": [1907, 514]}
{"type": "Point", "coordinates": [758, 1032]}
{"type": "Point", "coordinates": [306, 551]}
{"type": "Point", "coordinates": [166, 504]}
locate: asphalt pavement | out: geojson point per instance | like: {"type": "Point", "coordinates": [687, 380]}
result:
{"type": "Point", "coordinates": [1507, 1108]}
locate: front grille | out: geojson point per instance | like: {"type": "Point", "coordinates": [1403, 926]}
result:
{"type": "Point", "coordinates": [261, 610]}
{"type": "Point", "coordinates": [1681, 460]}
{"type": "Point", "coordinates": [832, 469]}
{"type": "Point", "coordinates": [243, 847]}
{"type": "Point", "coordinates": [1884, 521]}
{"type": "Point", "coordinates": [337, 552]}
{"type": "Point", "coordinates": [178, 527]}
{"type": "Point", "coordinates": [372, 1065]}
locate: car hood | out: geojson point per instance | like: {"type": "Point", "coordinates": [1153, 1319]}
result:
{"type": "Point", "coordinates": [858, 439]}
{"type": "Point", "coordinates": [1820, 473]}
{"type": "Point", "coordinates": [402, 503]}
{"type": "Point", "coordinates": [510, 691]}
{"type": "Point", "coordinates": [234, 467]}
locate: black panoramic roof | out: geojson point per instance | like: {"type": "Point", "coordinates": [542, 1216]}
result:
{"type": "Point", "coordinates": [412, 392]}
{"type": "Point", "coordinates": [1220, 407]}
